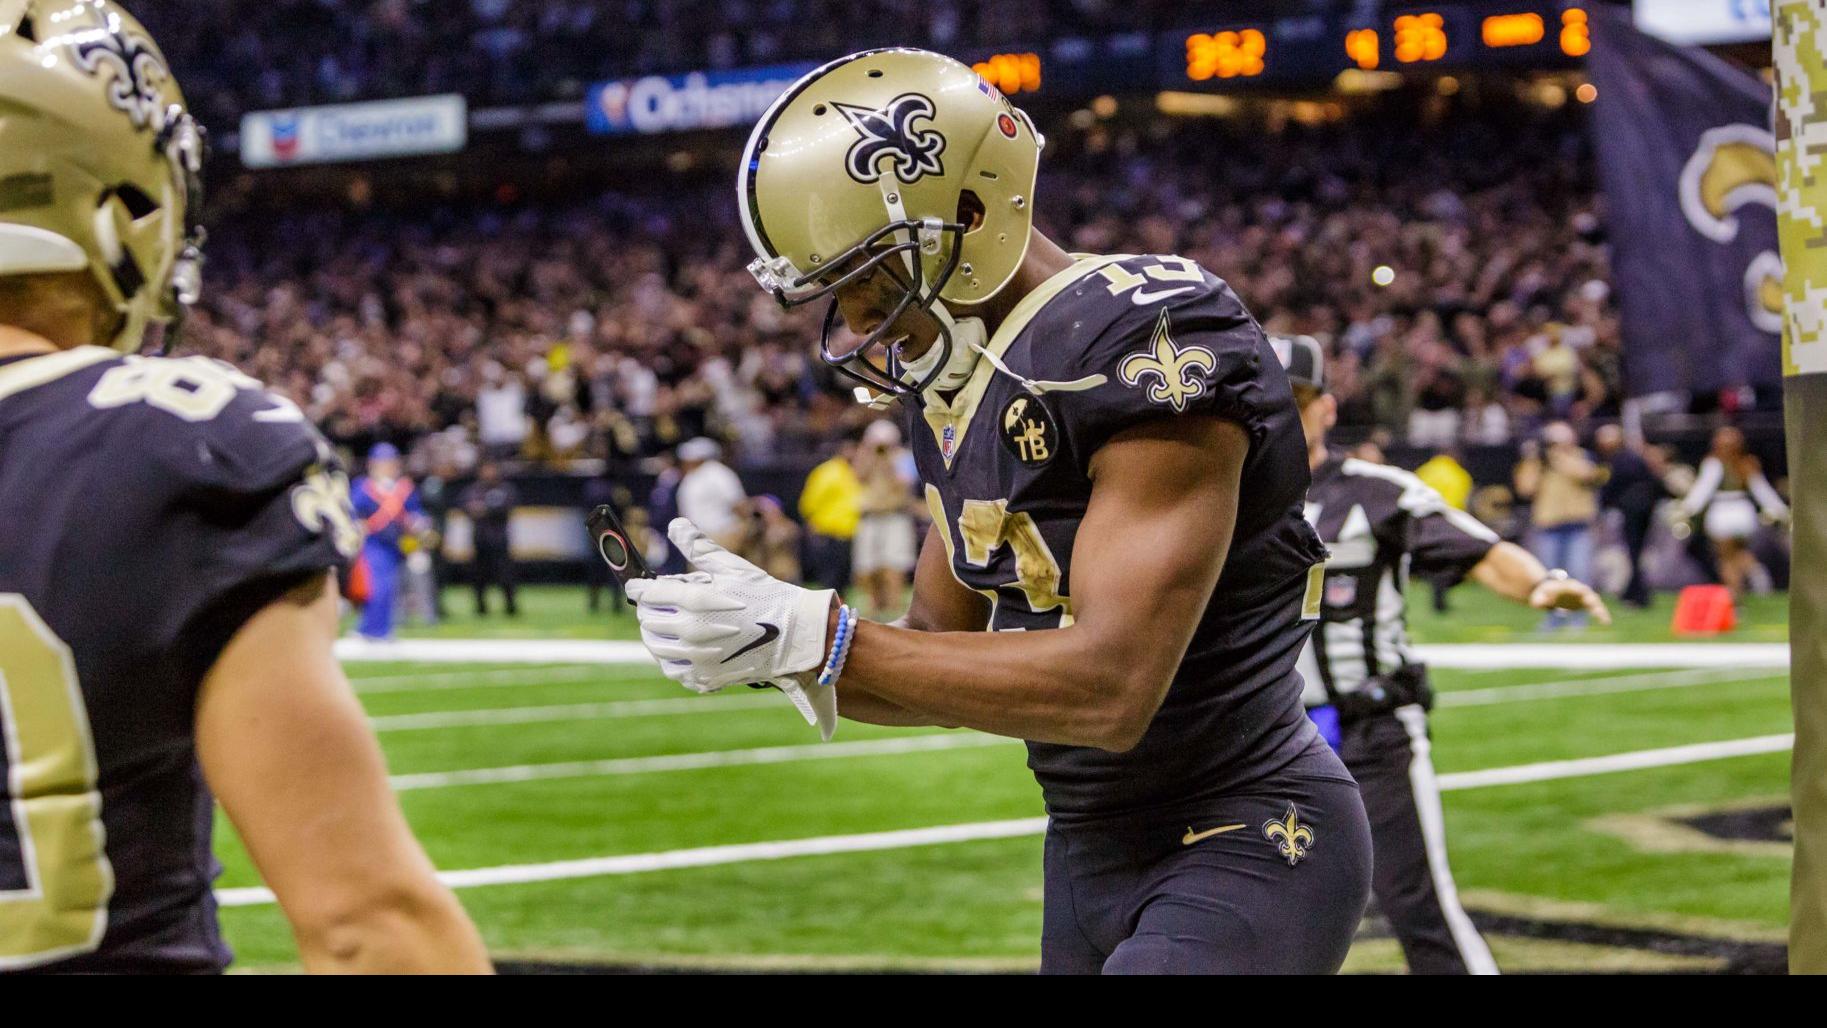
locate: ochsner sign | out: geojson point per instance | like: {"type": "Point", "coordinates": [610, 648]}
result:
{"type": "Point", "coordinates": [354, 132]}
{"type": "Point", "coordinates": [699, 100]}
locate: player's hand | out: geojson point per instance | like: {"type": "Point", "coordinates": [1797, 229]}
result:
{"type": "Point", "coordinates": [729, 622]}
{"type": "Point", "coordinates": [1560, 593]}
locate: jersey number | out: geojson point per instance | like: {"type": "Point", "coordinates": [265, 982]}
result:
{"type": "Point", "coordinates": [1170, 270]}
{"type": "Point", "coordinates": [193, 388]}
{"type": "Point", "coordinates": [55, 880]}
{"type": "Point", "coordinates": [987, 526]}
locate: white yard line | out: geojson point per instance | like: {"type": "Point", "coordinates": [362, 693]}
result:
{"type": "Point", "coordinates": [1606, 656]}
{"type": "Point", "coordinates": [617, 709]}
{"type": "Point", "coordinates": [707, 856]}
{"type": "Point", "coordinates": [1470, 656]}
{"type": "Point", "coordinates": [1614, 762]}
{"type": "Point", "coordinates": [494, 651]}
{"type": "Point", "coordinates": [698, 761]}
{"type": "Point", "coordinates": [480, 679]}
{"type": "Point", "coordinates": [572, 712]}
{"type": "Point", "coordinates": [1598, 686]}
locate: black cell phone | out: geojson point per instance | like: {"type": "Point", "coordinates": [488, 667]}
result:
{"type": "Point", "coordinates": [618, 551]}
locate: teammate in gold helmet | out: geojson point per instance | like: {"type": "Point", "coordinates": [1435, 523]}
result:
{"type": "Point", "coordinates": [169, 533]}
{"type": "Point", "coordinates": [99, 163]}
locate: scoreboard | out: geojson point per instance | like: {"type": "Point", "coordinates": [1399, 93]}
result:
{"type": "Point", "coordinates": [1463, 34]}
{"type": "Point", "coordinates": [1225, 53]}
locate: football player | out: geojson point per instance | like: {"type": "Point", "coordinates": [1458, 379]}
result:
{"type": "Point", "coordinates": [1365, 688]}
{"type": "Point", "coordinates": [168, 534]}
{"type": "Point", "coordinates": [1118, 569]}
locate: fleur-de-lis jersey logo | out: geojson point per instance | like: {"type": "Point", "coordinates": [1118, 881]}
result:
{"type": "Point", "coordinates": [321, 504]}
{"type": "Point", "coordinates": [1179, 373]}
{"type": "Point", "coordinates": [1291, 838]}
{"type": "Point", "coordinates": [139, 71]}
{"type": "Point", "coordinates": [889, 135]}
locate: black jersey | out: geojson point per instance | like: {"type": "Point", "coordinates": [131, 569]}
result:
{"type": "Point", "coordinates": [1382, 524]}
{"type": "Point", "coordinates": [148, 507]}
{"type": "Point", "coordinates": [1107, 344]}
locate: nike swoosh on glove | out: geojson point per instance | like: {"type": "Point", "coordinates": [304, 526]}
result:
{"type": "Point", "coordinates": [729, 622]}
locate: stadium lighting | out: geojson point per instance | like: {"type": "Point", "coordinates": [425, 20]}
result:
{"type": "Point", "coordinates": [1513, 30]}
{"type": "Point", "coordinates": [1361, 47]}
{"type": "Point", "coordinates": [1420, 37]}
{"type": "Point", "coordinates": [1576, 33]}
{"type": "Point", "coordinates": [1011, 73]}
{"type": "Point", "coordinates": [1225, 55]}
{"type": "Point", "coordinates": [1211, 105]}
{"type": "Point", "coordinates": [1586, 93]}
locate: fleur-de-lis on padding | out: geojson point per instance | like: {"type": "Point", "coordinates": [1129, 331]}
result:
{"type": "Point", "coordinates": [1291, 838]}
{"type": "Point", "coordinates": [1181, 372]}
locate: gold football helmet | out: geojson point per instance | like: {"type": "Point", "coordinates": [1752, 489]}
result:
{"type": "Point", "coordinates": [899, 160]}
{"type": "Point", "coordinates": [99, 159]}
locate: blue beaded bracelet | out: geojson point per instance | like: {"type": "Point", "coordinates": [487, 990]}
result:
{"type": "Point", "coordinates": [840, 645]}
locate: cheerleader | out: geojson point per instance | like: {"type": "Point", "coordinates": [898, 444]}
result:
{"type": "Point", "coordinates": [1732, 493]}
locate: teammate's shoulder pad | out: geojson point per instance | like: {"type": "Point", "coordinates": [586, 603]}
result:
{"type": "Point", "coordinates": [206, 420]}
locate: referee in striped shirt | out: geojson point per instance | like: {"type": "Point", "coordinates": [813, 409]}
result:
{"type": "Point", "coordinates": [1365, 689]}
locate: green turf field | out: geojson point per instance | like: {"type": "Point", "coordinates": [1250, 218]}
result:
{"type": "Point", "coordinates": [1673, 867]}
{"type": "Point", "coordinates": [558, 612]}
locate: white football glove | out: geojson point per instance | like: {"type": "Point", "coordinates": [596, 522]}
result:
{"type": "Point", "coordinates": [729, 623]}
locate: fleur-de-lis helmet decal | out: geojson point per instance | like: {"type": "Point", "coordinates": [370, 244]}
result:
{"type": "Point", "coordinates": [1179, 372]}
{"type": "Point", "coordinates": [890, 136]}
{"type": "Point", "coordinates": [103, 152]}
{"type": "Point", "coordinates": [139, 72]}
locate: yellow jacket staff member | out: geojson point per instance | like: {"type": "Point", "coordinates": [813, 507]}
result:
{"type": "Point", "coordinates": [832, 501]}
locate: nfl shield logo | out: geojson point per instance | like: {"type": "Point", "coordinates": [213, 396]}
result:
{"type": "Point", "coordinates": [948, 441]}
{"type": "Point", "coordinates": [1341, 591]}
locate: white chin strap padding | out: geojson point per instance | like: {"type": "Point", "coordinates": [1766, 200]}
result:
{"type": "Point", "coordinates": [968, 337]}
{"type": "Point", "coordinates": [26, 250]}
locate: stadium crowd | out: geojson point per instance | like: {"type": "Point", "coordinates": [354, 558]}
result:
{"type": "Point", "coordinates": [1457, 273]}
{"type": "Point", "coordinates": [515, 51]}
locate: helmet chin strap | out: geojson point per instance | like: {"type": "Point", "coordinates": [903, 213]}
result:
{"type": "Point", "coordinates": [968, 336]}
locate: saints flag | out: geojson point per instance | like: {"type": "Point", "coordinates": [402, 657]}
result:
{"type": "Point", "coordinates": [1687, 165]}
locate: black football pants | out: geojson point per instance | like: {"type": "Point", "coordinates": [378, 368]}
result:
{"type": "Point", "coordinates": [1390, 756]}
{"type": "Point", "coordinates": [1272, 879]}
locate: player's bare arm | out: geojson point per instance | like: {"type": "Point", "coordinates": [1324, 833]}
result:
{"type": "Point", "coordinates": [940, 604]}
{"type": "Point", "coordinates": [1515, 574]}
{"type": "Point", "coordinates": [287, 751]}
{"type": "Point", "coordinates": [1146, 559]}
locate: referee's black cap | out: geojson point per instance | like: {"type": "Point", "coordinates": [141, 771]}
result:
{"type": "Point", "coordinates": [1304, 358]}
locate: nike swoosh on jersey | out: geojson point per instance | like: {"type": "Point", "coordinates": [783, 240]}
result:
{"type": "Point", "coordinates": [1191, 836]}
{"type": "Point", "coordinates": [1143, 297]}
{"type": "Point", "coordinates": [768, 634]}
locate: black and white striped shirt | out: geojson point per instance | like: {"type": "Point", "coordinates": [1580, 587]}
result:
{"type": "Point", "coordinates": [1381, 523]}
